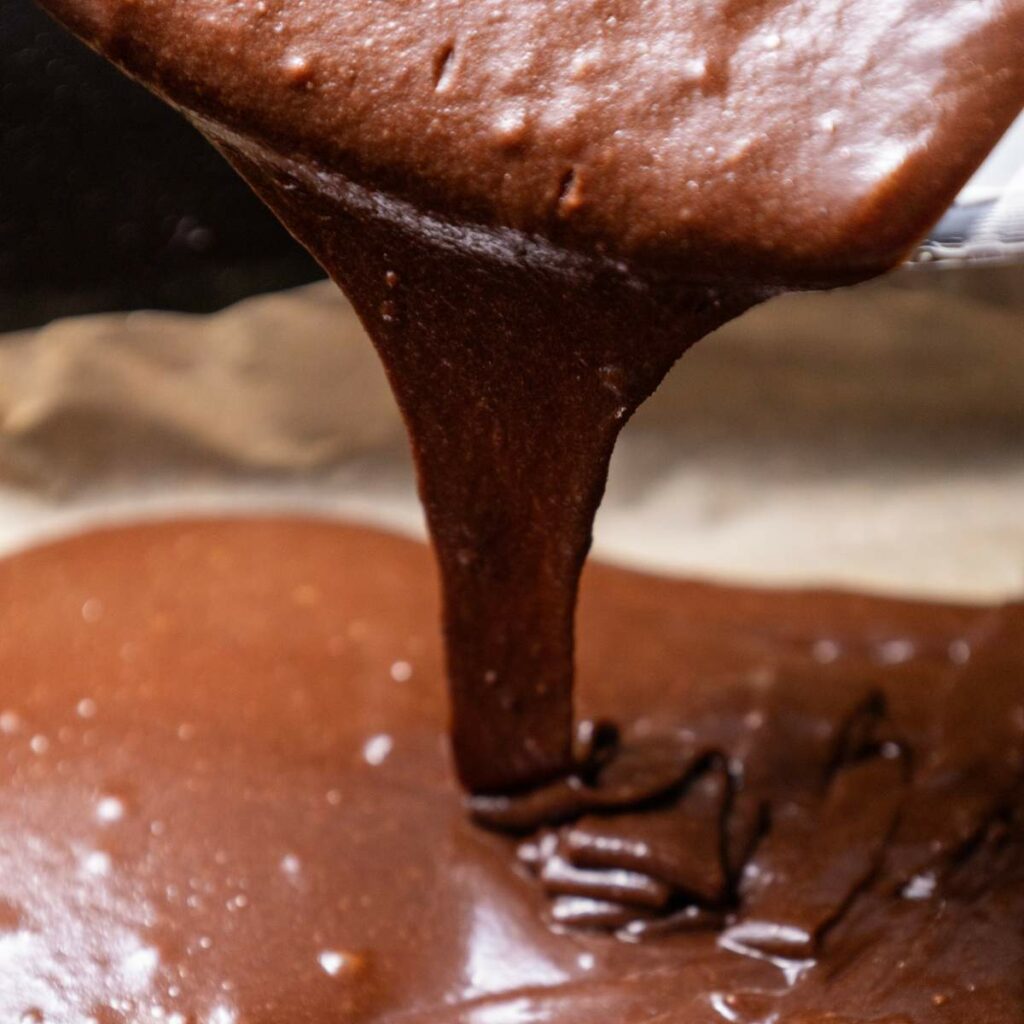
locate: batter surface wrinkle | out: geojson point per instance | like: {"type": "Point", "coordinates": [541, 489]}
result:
{"type": "Point", "coordinates": [220, 801]}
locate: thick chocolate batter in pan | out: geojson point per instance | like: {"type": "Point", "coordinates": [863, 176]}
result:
{"type": "Point", "coordinates": [227, 798]}
{"type": "Point", "coordinates": [680, 160]}
{"type": "Point", "coordinates": [536, 208]}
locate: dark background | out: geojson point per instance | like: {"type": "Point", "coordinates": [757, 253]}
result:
{"type": "Point", "coordinates": [109, 199]}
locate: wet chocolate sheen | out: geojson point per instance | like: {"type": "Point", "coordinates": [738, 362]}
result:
{"type": "Point", "coordinates": [536, 208]}
{"type": "Point", "coordinates": [226, 796]}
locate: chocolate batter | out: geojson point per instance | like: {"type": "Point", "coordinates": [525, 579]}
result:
{"type": "Point", "coordinates": [536, 209]}
{"type": "Point", "coordinates": [226, 798]}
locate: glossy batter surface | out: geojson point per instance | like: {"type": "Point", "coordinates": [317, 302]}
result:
{"type": "Point", "coordinates": [226, 797]}
{"type": "Point", "coordinates": [813, 812]}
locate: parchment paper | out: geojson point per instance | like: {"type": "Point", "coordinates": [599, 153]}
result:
{"type": "Point", "coordinates": [869, 438]}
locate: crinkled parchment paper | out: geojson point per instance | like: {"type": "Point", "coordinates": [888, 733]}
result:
{"type": "Point", "coordinates": [870, 438]}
